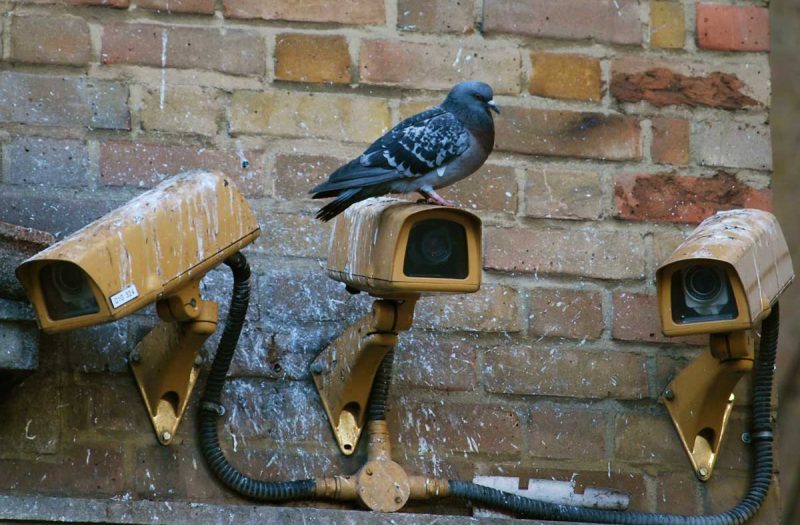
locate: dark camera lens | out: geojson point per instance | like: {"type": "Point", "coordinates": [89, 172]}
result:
{"type": "Point", "coordinates": [436, 248]}
{"type": "Point", "coordinates": [66, 291]}
{"type": "Point", "coordinates": [68, 278]}
{"type": "Point", "coordinates": [703, 283]}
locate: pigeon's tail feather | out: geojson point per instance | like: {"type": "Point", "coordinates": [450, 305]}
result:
{"type": "Point", "coordinates": [345, 199]}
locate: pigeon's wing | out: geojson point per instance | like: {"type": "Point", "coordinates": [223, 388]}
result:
{"type": "Point", "coordinates": [415, 147]}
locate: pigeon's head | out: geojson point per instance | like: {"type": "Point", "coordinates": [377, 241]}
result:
{"type": "Point", "coordinates": [472, 96]}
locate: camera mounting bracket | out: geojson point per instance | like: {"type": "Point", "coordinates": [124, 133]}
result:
{"type": "Point", "coordinates": [344, 372]}
{"type": "Point", "coordinates": [165, 362]}
{"type": "Point", "coordinates": [700, 399]}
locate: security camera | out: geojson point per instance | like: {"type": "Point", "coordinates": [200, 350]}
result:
{"type": "Point", "coordinates": [155, 248]}
{"type": "Point", "coordinates": [394, 250]}
{"type": "Point", "coordinates": [388, 246]}
{"type": "Point", "coordinates": [723, 280]}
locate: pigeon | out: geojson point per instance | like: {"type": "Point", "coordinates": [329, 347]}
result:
{"type": "Point", "coordinates": [423, 153]}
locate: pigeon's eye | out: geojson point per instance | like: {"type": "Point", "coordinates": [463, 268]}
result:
{"type": "Point", "coordinates": [477, 96]}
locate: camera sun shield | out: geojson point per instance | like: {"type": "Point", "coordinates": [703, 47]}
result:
{"type": "Point", "coordinates": [389, 246]}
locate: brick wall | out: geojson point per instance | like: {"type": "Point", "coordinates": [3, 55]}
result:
{"type": "Point", "coordinates": [624, 123]}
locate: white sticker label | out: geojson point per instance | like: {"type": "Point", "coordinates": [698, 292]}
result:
{"type": "Point", "coordinates": [127, 295]}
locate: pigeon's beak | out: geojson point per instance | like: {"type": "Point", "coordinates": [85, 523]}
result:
{"type": "Point", "coordinates": [493, 106]}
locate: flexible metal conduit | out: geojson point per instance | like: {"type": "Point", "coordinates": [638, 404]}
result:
{"type": "Point", "coordinates": [211, 408]}
{"type": "Point", "coordinates": [761, 436]}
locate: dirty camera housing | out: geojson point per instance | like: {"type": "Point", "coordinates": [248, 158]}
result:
{"type": "Point", "coordinates": [144, 251]}
{"type": "Point", "coordinates": [725, 276]}
{"type": "Point", "coordinates": [388, 246]}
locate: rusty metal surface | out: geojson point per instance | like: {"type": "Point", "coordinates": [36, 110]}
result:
{"type": "Point", "coordinates": [157, 242]}
{"type": "Point", "coordinates": [17, 243]}
{"type": "Point", "coordinates": [368, 245]}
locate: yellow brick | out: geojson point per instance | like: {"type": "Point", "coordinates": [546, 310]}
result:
{"type": "Point", "coordinates": [349, 119]}
{"type": "Point", "coordinates": [312, 58]}
{"type": "Point", "coordinates": [667, 29]}
{"type": "Point", "coordinates": [565, 76]}
{"type": "Point", "coordinates": [183, 109]}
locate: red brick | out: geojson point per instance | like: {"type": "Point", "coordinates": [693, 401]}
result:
{"type": "Point", "coordinates": [107, 404]}
{"type": "Point", "coordinates": [561, 312]}
{"type": "Point", "coordinates": [726, 490]}
{"type": "Point", "coordinates": [648, 438]}
{"type": "Point", "coordinates": [636, 318]}
{"type": "Point", "coordinates": [436, 428]}
{"type": "Point", "coordinates": [295, 175]}
{"type": "Point", "coordinates": [368, 12]}
{"type": "Point", "coordinates": [615, 21]}
{"type": "Point", "coordinates": [664, 87]}
{"type": "Point", "coordinates": [556, 194]}
{"type": "Point", "coordinates": [312, 58]}
{"type": "Point", "coordinates": [50, 40]}
{"type": "Point", "coordinates": [568, 134]}
{"type": "Point", "coordinates": [678, 492]}
{"type": "Point", "coordinates": [233, 51]}
{"type": "Point", "coordinates": [203, 7]}
{"type": "Point", "coordinates": [670, 141]}
{"type": "Point", "coordinates": [426, 360]}
{"type": "Point", "coordinates": [435, 16]}
{"type": "Point", "coordinates": [63, 101]}
{"type": "Point", "coordinates": [493, 308]}
{"type": "Point", "coordinates": [732, 28]}
{"type": "Point", "coordinates": [416, 65]}
{"type": "Point", "coordinates": [561, 369]}
{"type": "Point", "coordinates": [30, 418]}
{"type": "Point", "coordinates": [556, 431]}
{"type": "Point", "coordinates": [673, 198]}
{"type": "Point", "coordinates": [491, 188]}
{"type": "Point", "coordinates": [144, 165]}
{"type": "Point", "coordinates": [547, 250]}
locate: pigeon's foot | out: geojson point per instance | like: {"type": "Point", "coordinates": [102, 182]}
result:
{"type": "Point", "coordinates": [431, 197]}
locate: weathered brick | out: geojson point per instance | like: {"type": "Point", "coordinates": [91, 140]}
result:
{"type": "Point", "coordinates": [561, 75]}
{"type": "Point", "coordinates": [560, 194]}
{"type": "Point", "coordinates": [310, 115]}
{"type": "Point", "coordinates": [667, 25]}
{"type": "Point", "coordinates": [48, 162]}
{"type": "Point", "coordinates": [670, 141]}
{"type": "Point", "coordinates": [491, 309]}
{"type": "Point", "coordinates": [369, 12]}
{"type": "Point", "coordinates": [648, 438]}
{"type": "Point", "coordinates": [673, 198]}
{"type": "Point", "coordinates": [312, 58]}
{"type": "Point", "coordinates": [560, 369]}
{"type": "Point", "coordinates": [290, 235]}
{"type": "Point", "coordinates": [30, 418]}
{"type": "Point", "coordinates": [562, 312]}
{"type": "Point", "coordinates": [63, 101]}
{"type": "Point", "coordinates": [58, 213]}
{"type": "Point", "coordinates": [664, 87]}
{"type": "Point", "coordinates": [50, 40]}
{"type": "Point", "coordinates": [726, 491]}
{"type": "Point", "coordinates": [435, 428]}
{"type": "Point", "coordinates": [568, 134]}
{"type": "Point", "coordinates": [732, 27]}
{"type": "Point", "coordinates": [733, 144]}
{"type": "Point", "coordinates": [144, 164]}
{"type": "Point", "coordinates": [678, 492]}
{"type": "Point", "coordinates": [665, 241]}
{"type": "Point", "coordinates": [615, 21]}
{"type": "Point", "coordinates": [85, 354]}
{"type": "Point", "coordinates": [492, 187]}
{"type": "Point", "coordinates": [563, 431]}
{"type": "Point", "coordinates": [435, 16]}
{"type": "Point", "coordinates": [546, 250]}
{"type": "Point", "coordinates": [78, 471]}
{"type": "Point", "coordinates": [295, 175]}
{"type": "Point", "coordinates": [716, 83]}
{"type": "Point", "coordinates": [203, 7]}
{"type": "Point", "coordinates": [107, 404]}
{"type": "Point", "coordinates": [182, 109]}
{"type": "Point", "coordinates": [636, 318]}
{"type": "Point", "coordinates": [416, 65]}
{"type": "Point", "coordinates": [234, 51]}
{"type": "Point", "coordinates": [425, 360]}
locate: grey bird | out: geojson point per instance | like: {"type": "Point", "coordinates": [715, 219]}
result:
{"type": "Point", "coordinates": [423, 153]}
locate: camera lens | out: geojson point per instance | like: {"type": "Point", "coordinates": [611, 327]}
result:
{"type": "Point", "coordinates": [68, 278]}
{"type": "Point", "coordinates": [703, 283]}
{"type": "Point", "coordinates": [435, 246]}
{"type": "Point", "coordinates": [66, 291]}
